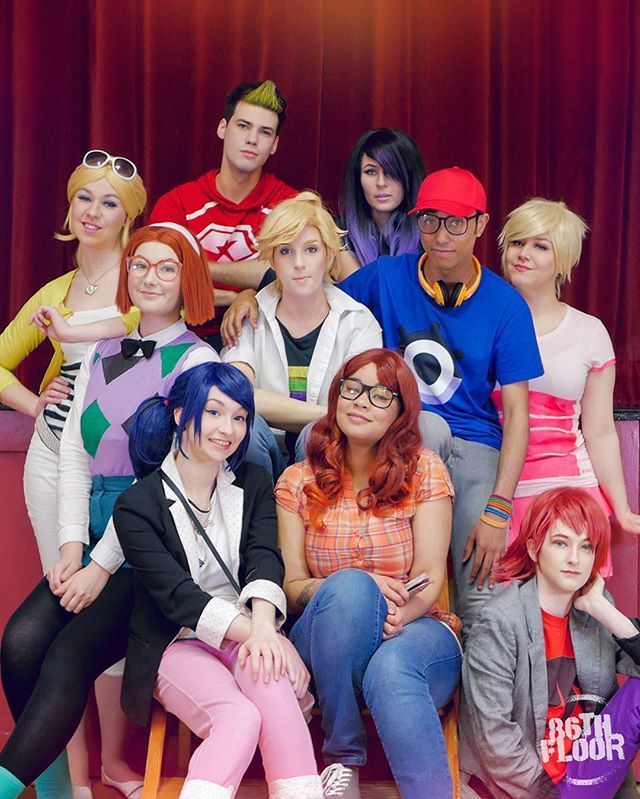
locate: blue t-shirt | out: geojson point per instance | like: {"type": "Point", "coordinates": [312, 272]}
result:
{"type": "Point", "coordinates": [456, 354]}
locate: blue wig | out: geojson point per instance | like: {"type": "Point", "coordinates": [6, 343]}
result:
{"type": "Point", "coordinates": [398, 155]}
{"type": "Point", "coordinates": [154, 427]}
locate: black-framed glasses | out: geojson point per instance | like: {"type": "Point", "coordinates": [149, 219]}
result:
{"type": "Point", "coordinates": [456, 225]}
{"type": "Point", "coordinates": [123, 167]}
{"type": "Point", "coordinates": [379, 396]}
{"type": "Point", "coordinates": [166, 270]}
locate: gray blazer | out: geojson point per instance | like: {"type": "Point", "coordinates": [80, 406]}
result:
{"type": "Point", "coordinates": [505, 699]}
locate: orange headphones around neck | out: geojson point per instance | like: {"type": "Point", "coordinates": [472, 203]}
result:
{"type": "Point", "coordinates": [443, 295]}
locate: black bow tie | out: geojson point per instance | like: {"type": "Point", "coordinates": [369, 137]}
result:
{"type": "Point", "coordinates": [129, 347]}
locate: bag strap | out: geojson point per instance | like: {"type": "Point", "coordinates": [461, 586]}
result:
{"type": "Point", "coordinates": [200, 530]}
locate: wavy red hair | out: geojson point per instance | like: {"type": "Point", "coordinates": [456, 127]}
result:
{"type": "Point", "coordinates": [397, 453]}
{"type": "Point", "coordinates": [574, 507]}
{"type": "Point", "coordinates": [196, 286]}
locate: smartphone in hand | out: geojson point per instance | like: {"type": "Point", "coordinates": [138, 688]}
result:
{"type": "Point", "coordinates": [418, 583]}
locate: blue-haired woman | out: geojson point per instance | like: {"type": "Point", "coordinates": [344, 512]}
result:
{"type": "Point", "coordinates": [201, 535]}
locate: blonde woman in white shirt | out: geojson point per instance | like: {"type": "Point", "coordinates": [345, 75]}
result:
{"type": "Point", "coordinates": [306, 329]}
{"type": "Point", "coordinates": [573, 440]}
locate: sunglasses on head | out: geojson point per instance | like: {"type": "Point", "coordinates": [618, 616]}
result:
{"type": "Point", "coordinates": [123, 167]}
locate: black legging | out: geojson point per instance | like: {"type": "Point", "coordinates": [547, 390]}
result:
{"type": "Point", "coordinates": [50, 659]}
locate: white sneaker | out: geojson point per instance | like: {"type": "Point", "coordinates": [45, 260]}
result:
{"type": "Point", "coordinates": [339, 780]}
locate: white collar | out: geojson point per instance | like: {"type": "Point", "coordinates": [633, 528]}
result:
{"type": "Point", "coordinates": [339, 301]}
{"type": "Point", "coordinates": [168, 466]}
{"type": "Point", "coordinates": [162, 337]}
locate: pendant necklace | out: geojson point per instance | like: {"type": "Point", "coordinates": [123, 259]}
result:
{"type": "Point", "coordinates": [91, 288]}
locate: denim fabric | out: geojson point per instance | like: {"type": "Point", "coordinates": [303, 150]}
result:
{"type": "Point", "coordinates": [403, 681]}
{"type": "Point", "coordinates": [263, 449]}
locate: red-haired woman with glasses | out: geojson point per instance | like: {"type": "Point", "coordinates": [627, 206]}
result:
{"type": "Point", "coordinates": [366, 512]}
{"type": "Point", "coordinates": [543, 715]}
{"type": "Point", "coordinates": [105, 197]}
{"type": "Point", "coordinates": [74, 624]}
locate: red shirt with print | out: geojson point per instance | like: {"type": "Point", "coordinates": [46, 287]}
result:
{"type": "Point", "coordinates": [226, 230]}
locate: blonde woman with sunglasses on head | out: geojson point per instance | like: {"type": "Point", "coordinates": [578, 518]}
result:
{"type": "Point", "coordinates": [105, 195]}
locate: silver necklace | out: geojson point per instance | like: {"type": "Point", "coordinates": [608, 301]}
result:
{"type": "Point", "coordinates": [91, 288]}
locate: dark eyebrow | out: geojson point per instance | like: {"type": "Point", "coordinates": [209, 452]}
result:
{"type": "Point", "coordinates": [251, 124]}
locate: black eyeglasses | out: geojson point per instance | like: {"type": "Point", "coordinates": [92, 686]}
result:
{"type": "Point", "coordinates": [123, 167]}
{"type": "Point", "coordinates": [456, 225]}
{"type": "Point", "coordinates": [379, 396]}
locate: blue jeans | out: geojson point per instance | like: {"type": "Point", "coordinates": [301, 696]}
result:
{"type": "Point", "coordinates": [403, 681]}
{"type": "Point", "coordinates": [263, 449]}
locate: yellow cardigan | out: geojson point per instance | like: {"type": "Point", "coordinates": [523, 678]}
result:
{"type": "Point", "coordinates": [20, 338]}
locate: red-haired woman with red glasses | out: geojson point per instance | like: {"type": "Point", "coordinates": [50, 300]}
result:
{"type": "Point", "coordinates": [74, 623]}
{"type": "Point", "coordinates": [543, 716]}
{"type": "Point", "coordinates": [366, 512]}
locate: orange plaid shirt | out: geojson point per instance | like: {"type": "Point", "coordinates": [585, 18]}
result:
{"type": "Point", "coordinates": [358, 539]}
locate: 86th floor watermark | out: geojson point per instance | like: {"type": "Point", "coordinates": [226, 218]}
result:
{"type": "Point", "coordinates": [591, 737]}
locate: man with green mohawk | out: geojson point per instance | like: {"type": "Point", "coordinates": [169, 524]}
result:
{"type": "Point", "coordinates": [225, 208]}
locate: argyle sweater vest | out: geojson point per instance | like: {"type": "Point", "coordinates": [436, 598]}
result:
{"type": "Point", "coordinates": [116, 387]}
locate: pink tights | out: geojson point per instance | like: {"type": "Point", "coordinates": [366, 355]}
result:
{"type": "Point", "coordinates": [219, 701]}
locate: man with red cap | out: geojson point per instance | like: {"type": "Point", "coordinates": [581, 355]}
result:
{"type": "Point", "coordinates": [461, 328]}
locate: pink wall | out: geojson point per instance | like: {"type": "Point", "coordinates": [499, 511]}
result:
{"type": "Point", "coordinates": [625, 583]}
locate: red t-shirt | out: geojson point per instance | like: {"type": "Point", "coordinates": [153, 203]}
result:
{"type": "Point", "coordinates": [226, 230]}
{"type": "Point", "coordinates": [563, 683]}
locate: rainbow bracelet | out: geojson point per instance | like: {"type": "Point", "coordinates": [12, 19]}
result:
{"type": "Point", "coordinates": [497, 511]}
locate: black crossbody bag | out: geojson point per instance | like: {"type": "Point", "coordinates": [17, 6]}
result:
{"type": "Point", "coordinates": [200, 530]}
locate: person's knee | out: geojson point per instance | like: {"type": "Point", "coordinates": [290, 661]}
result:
{"type": "Point", "coordinates": [350, 592]}
{"type": "Point", "coordinates": [631, 691]}
{"type": "Point", "coordinates": [13, 639]}
{"type": "Point", "coordinates": [23, 635]}
{"type": "Point", "coordinates": [436, 434]}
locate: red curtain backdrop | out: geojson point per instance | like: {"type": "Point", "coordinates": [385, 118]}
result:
{"type": "Point", "coordinates": [538, 97]}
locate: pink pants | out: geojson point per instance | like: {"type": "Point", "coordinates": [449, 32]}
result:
{"type": "Point", "coordinates": [219, 701]}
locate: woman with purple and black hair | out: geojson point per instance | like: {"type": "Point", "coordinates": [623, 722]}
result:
{"type": "Point", "coordinates": [381, 182]}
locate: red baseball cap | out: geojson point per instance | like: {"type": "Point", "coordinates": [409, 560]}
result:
{"type": "Point", "coordinates": [453, 191]}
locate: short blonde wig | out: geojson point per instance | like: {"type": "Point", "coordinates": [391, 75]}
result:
{"type": "Point", "coordinates": [131, 193]}
{"type": "Point", "coordinates": [538, 216]}
{"type": "Point", "coordinates": [290, 217]}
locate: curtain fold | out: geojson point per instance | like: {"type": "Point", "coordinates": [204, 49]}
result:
{"type": "Point", "coordinates": [538, 97]}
